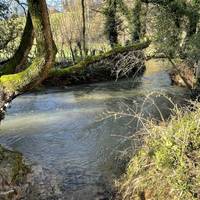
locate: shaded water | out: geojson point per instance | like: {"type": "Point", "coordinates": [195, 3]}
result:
{"type": "Point", "coordinates": [74, 154]}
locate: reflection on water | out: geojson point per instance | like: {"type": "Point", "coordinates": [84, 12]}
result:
{"type": "Point", "coordinates": [72, 152]}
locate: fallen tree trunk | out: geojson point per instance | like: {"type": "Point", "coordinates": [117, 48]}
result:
{"type": "Point", "coordinates": [118, 63]}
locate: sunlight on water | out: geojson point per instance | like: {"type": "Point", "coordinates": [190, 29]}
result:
{"type": "Point", "coordinates": [58, 131]}
{"type": "Point", "coordinates": [43, 119]}
{"type": "Point", "coordinates": [155, 66]}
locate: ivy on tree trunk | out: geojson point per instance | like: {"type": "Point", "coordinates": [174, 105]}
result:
{"type": "Point", "coordinates": [136, 24]}
{"type": "Point", "coordinates": [111, 22]}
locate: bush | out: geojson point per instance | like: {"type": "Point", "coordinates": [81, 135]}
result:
{"type": "Point", "coordinates": [168, 164]}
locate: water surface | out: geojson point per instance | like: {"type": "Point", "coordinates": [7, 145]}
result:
{"type": "Point", "coordinates": [69, 136]}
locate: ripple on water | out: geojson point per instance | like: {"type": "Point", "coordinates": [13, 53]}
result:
{"type": "Point", "coordinates": [74, 155]}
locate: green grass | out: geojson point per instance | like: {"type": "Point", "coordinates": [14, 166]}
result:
{"type": "Point", "coordinates": [167, 167]}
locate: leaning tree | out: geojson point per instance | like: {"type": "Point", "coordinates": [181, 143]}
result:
{"type": "Point", "coordinates": [14, 84]}
{"type": "Point", "coordinates": [20, 56]}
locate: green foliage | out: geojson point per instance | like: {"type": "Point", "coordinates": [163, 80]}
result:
{"type": "Point", "coordinates": [193, 47]}
{"type": "Point", "coordinates": [133, 16]}
{"type": "Point", "coordinates": [11, 27]}
{"type": "Point", "coordinates": [111, 22]}
{"type": "Point", "coordinates": [168, 165]}
{"type": "Point", "coordinates": [167, 39]}
{"type": "Point", "coordinates": [136, 24]}
{"type": "Point", "coordinates": [176, 25]}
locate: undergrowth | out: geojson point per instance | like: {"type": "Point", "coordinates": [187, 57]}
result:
{"type": "Point", "coordinates": [167, 167]}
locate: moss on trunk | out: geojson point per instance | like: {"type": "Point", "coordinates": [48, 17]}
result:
{"type": "Point", "coordinates": [13, 174]}
{"type": "Point", "coordinates": [95, 68]}
{"type": "Point", "coordinates": [13, 171]}
{"type": "Point", "coordinates": [38, 70]}
{"type": "Point", "coordinates": [15, 84]}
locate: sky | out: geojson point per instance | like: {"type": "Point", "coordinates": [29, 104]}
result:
{"type": "Point", "coordinates": [55, 3]}
{"type": "Point", "coordinates": [51, 3]}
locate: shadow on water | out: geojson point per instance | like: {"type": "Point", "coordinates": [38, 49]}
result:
{"type": "Point", "coordinates": [75, 147]}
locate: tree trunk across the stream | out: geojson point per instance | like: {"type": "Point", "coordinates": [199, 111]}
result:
{"type": "Point", "coordinates": [120, 62]}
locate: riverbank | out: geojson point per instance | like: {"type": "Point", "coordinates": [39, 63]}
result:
{"type": "Point", "coordinates": [13, 175]}
{"type": "Point", "coordinates": [78, 157]}
{"type": "Point", "coordinates": [168, 164]}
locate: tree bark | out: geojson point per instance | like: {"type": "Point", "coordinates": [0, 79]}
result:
{"type": "Point", "coordinates": [133, 18]}
{"type": "Point", "coordinates": [84, 27]}
{"type": "Point", "coordinates": [111, 22]}
{"type": "Point", "coordinates": [102, 67]}
{"type": "Point", "coordinates": [20, 56]}
{"type": "Point", "coordinates": [15, 84]}
{"type": "Point", "coordinates": [136, 25]}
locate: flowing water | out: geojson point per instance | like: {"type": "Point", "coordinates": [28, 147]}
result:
{"type": "Point", "coordinates": [73, 140]}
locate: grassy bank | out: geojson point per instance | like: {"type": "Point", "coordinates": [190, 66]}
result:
{"type": "Point", "coordinates": [167, 167]}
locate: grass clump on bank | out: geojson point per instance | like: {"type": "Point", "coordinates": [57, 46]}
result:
{"type": "Point", "coordinates": [167, 167]}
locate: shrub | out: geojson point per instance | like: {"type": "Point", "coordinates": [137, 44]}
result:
{"type": "Point", "coordinates": [168, 164]}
